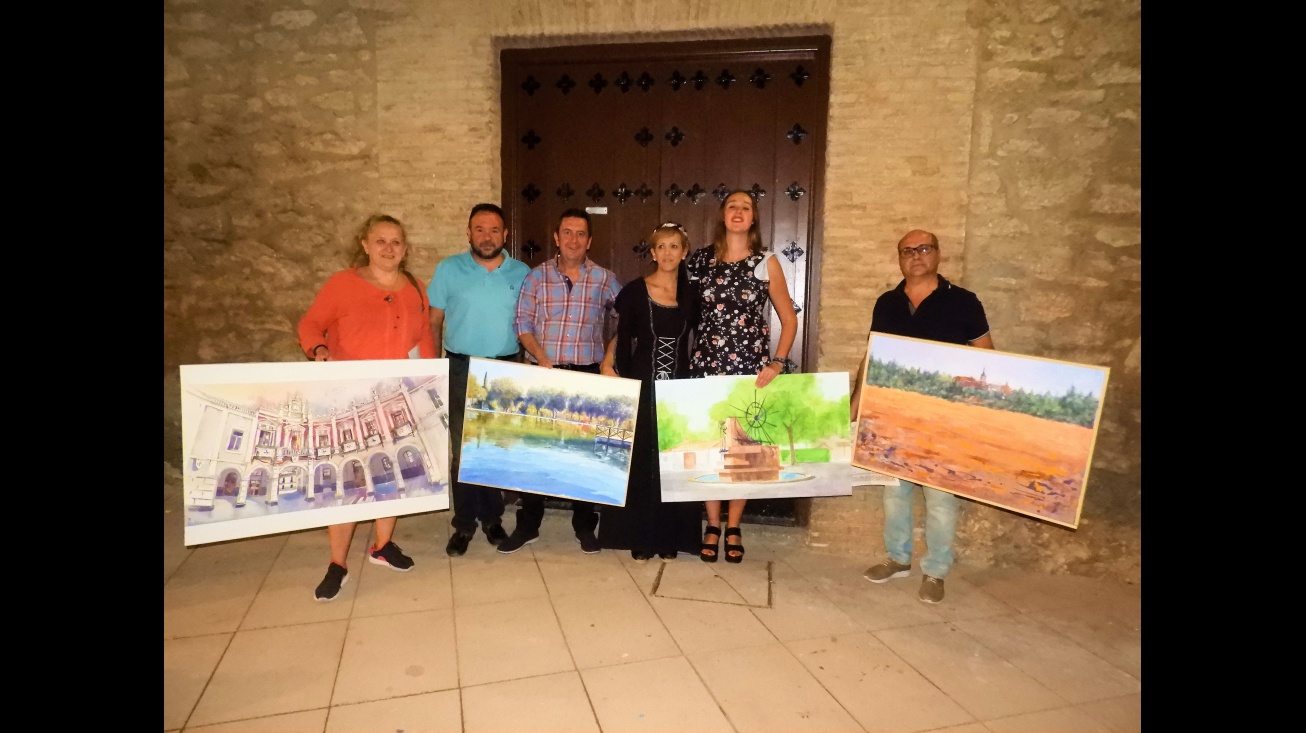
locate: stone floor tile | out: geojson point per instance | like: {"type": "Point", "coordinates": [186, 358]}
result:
{"type": "Point", "coordinates": [1120, 714]}
{"type": "Point", "coordinates": [800, 611]}
{"type": "Point", "coordinates": [699, 626]}
{"type": "Point", "coordinates": [397, 655]}
{"type": "Point", "coordinates": [269, 671]}
{"type": "Point", "coordinates": [880, 690]}
{"type": "Point", "coordinates": [432, 712]}
{"type": "Point", "coordinates": [653, 696]}
{"type": "Point", "coordinates": [506, 641]}
{"type": "Point", "coordinates": [306, 721]}
{"type": "Point", "coordinates": [612, 627]}
{"type": "Point", "coordinates": [554, 703]}
{"type": "Point", "coordinates": [187, 666]}
{"type": "Point", "coordinates": [983, 683]}
{"type": "Point", "coordinates": [1061, 665]}
{"type": "Point", "coordinates": [764, 689]}
{"type": "Point", "coordinates": [1060, 720]}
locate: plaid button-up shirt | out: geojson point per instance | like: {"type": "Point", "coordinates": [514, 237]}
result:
{"type": "Point", "coordinates": [568, 322]}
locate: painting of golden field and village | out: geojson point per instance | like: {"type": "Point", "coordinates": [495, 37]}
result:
{"type": "Point", "coordinates": [1009, 430]}
{"type": "Point", "coordinates": [721, 437]}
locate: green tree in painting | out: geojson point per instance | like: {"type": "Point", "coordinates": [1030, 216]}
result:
{"type": "Point", "coordinates": [792, 403]}
{"type": "Point", "coordinates": [475, 392]}
{"type": "Point", "coordinates": [673, 428]}
{"type": "Point", "coordinates": [504, 394]}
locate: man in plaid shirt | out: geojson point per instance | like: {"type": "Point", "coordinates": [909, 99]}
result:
{"type": "Point", "coordinates": [562, 322]}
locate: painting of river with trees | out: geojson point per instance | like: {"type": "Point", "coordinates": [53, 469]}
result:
{"type": "Point", "coordinates": [548, 431]}
{"type": "Point", "coordinates": [1009, 430]}
{"type": "Point", "coordinates": [721, 437]}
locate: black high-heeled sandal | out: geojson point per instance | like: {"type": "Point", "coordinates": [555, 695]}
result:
{"type": "Point", "coordinates": [713, 546]}
{"type": "Point", "coordinates": [734, 532]}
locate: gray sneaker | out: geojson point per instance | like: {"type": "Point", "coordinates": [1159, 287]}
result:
{"type": "Point", "coordinates": [931, 589]}
{"type": "Point", "coordinates": [887, 570]}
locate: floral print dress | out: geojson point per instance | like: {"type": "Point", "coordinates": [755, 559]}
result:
{"type": "Point", "coordinates": [734, 334]}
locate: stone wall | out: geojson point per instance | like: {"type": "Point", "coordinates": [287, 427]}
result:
{"type": "Point", "coordinates": [1011, 129]}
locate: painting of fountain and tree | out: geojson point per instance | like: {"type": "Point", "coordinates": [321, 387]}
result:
{"type": "Point", "coordinates": [1009, 430]}
{"type": "Point", "coordinates": [548, 431]}
{"type": "Point", "coordinates": [723, 438]}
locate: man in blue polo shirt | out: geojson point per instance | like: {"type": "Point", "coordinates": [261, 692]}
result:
{"type": "Point", "coordinates": [473, 299]}
{"type": "Point", "coordinates": [924, 306]}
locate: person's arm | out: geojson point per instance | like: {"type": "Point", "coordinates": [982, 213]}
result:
{"type": "Point", "coordinates": [524, 320]}
{"type": "Point", "coordinates": [984, 342]}
{"type": "Point", "coordinates": [533, 348]}
{"type": "Point", "coordinates": [784, 309]}
{"type": "Point", "coordinates": [855, 401]}
{"type": "Point", "coordinates": [437, 330]}
{"type": "Point", "coordinates": [317, 322]}
{"type": "Point", "coordinates": [609, 357]}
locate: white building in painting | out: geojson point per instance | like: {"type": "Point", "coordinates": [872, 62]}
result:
{"type": "Point", "coordinates": [242, 453]}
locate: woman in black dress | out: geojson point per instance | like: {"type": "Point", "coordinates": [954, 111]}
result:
{"type": "Point", "coordinates": [654, 324]}
{"type": "Point", "coordinates": [734, 279]}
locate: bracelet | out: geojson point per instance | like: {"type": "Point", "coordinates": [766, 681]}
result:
{"type": "Point", "coordinates": [786, 366]}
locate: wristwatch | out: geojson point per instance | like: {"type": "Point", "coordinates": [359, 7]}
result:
{"type": "Point", "coordinates": [786, 366]}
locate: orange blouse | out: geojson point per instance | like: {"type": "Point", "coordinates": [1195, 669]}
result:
{"type": "Point", "coordinates": [357, 320]}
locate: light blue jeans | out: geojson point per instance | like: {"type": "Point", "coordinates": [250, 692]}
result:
{"type": "Point", "coordinates": [940, 526]}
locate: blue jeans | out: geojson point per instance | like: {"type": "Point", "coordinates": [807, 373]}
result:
{"type": "Point", "coordinates": [940, 526]}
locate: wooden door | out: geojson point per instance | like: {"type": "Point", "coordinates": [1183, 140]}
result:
{"type": "Point", "coordinates": [641, 134]}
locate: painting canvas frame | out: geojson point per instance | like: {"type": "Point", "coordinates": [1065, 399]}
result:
{"type": "Point", "coordinates": [721, 437]}
{"type": "Point", "coordinates": [555, 432]}
{"type": "Point", "coordinates": [1009, 430]}
{"type": "Point", "coordinates": [280, 447]}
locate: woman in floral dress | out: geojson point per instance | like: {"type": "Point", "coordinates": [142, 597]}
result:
{"type": "Point", "coordinates": [734, 280]}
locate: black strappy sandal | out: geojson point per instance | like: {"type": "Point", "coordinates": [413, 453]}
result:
{"type": "Point", "coordinates": [734, 532]}
{"type": "Point", "coordinates": [714, 546]}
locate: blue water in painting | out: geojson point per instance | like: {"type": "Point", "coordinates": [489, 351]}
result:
{"type": "Point", "coordinates": [784, 476]}
{"type": "Point", "coordinates": [543, 467]}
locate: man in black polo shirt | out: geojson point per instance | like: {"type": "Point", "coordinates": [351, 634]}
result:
{"type": "Point", "coordinates": [924, 306]}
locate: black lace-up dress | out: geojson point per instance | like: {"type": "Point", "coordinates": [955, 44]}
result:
{"type": "Point", "coordinates": [653, 343]}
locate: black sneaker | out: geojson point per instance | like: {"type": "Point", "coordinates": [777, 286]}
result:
{"type": "Point", "coordinates": [458, 542]}
{"type": "Point", "coordinates": [335, 579]}
{"type": "Point", "coordinates": [391, 556]}
{"type": "Point", "coordinates": [494, 533]}
{"type": "Point", "coordinates": [589, 544]}
{"type": "Point", "coordinates": [516, 541]}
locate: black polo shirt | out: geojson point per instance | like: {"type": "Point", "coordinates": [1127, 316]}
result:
{"type": "Point", "coordinates": [951, 314]}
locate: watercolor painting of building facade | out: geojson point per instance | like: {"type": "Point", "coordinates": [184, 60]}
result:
{"type": "Point", "coordinates": [548, 431]}
{"type": "Point", "coordinates": [722, 438]}
{"type": "Point", "coordinates": [280, 447]}
{"type": "Point", "coordinates": [1009, 430]}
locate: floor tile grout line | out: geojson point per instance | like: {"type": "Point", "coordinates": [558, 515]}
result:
{"type": "Point", "coordinates": [349, 617]}
{"type": "Point", "coordinates": [257, 717]}
{"type": "Point", "coordinates": [708, 688]}
{"type": "Point", "coordinates": [986, 648]}
{"type": "Point", "coordinates": [227, 647]}
{"type": "Point", "coordinates": [827, 690]}
{"type": "Point", "coordinates": [1078, 644]}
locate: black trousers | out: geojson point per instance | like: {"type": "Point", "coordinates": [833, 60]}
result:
{"type": "Point", "coordinates": [472, 503]}
{"type": "Point", "coordinates": [584, 517]}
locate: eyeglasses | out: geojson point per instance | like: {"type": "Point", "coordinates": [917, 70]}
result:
{"type": "Point", "coordinates": [922, 250]}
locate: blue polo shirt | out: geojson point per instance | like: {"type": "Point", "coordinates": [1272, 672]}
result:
{"type": "Point", "coordinates": [479, 306]}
